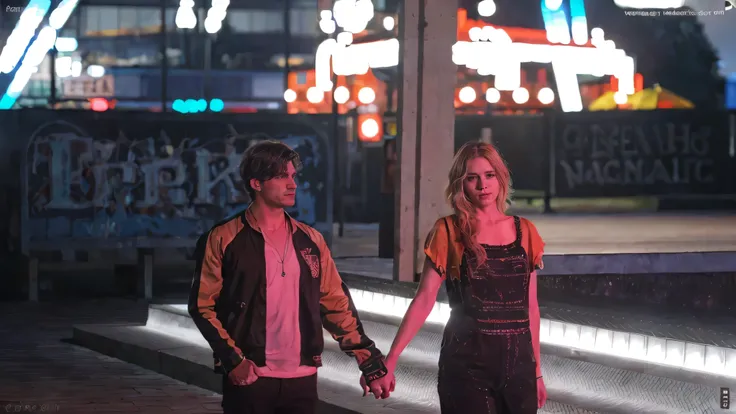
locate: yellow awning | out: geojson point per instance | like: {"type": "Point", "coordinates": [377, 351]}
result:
{"type": "Point", "coordinates": [658, 98]}
{"type": "Point", "coordinates": [604, 102]}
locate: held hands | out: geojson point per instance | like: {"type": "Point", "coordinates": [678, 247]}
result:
{"type": "Point", "coordinates": [381, 388]}
{"type": "Point", "coordinates": [243, 374]}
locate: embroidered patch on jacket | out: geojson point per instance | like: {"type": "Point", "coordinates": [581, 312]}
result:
{"type": "Point", "coordinates": [312, 260]}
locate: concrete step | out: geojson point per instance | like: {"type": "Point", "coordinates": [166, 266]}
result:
{"type": "Point", "coordinates": [169, 343]}
{"type": "Point", "coordinates": [186, 362]}
{"type": "Point", "coordinates": [181, 359]}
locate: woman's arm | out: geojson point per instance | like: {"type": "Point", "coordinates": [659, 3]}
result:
{"type": "Point", "coordinates": [417, 314]}
{"type": "Point", "coordinates": [534, 317]}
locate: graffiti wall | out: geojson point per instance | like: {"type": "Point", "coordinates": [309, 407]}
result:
{"type": "Point", "coordinates": [155, 180]}
{"type": "Point", "coordinates": [643, 153]}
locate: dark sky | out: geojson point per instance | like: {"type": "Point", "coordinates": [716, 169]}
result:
{"type": "Point", "coordinates": [722, 32]}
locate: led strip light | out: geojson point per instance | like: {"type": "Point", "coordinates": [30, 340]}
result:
{"type": "Point", "coordinates": [708, 359]}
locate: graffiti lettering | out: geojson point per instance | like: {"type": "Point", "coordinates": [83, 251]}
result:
{"type": "Point", "coordinates": [626, 155]}
{"type": "Point", "coordinates": [677, 170]}
{"type": "Point", "coordinates": [84, 186]}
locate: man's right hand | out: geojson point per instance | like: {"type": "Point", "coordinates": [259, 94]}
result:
{"type": "Point", "coordinates": [244, 373]}
{"type": "Point", "coordinates": [380, 388]}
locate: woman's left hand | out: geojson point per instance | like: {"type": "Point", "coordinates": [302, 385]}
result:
{"type": "Point", "coordinates": [541, 393]}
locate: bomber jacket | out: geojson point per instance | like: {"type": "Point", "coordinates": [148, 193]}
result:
{"type": "Point", "coordinates": [228, 298]}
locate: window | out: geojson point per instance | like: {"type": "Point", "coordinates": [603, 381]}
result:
{"type": "Point", "coordinates": [256, 21]}
{"type": "Point", "coordinates": [113, 20]}
{"type": "Point", "coordinates": [303, 21]}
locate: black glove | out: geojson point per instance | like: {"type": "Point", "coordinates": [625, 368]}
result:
{"type": "Point", "coordinates": [374, 369]}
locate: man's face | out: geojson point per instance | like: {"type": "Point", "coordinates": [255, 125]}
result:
{"type": "Point", "coordinates": [279, 191]}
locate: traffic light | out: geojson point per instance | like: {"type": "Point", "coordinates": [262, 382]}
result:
{"type": "Point", "coordinates": [193, 106]}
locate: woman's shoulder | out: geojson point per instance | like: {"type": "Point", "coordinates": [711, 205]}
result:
{"type": "Point", "coordinates": [443, 227]}
{"type": "Point", "coordinates": [527, 225]}
{"type": "Point", "coordinates": [449, 218]}
{"type": "Point", "coordinates": [525, 221]}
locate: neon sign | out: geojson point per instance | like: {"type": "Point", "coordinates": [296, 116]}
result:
{"type": "Point", "coordinates": [490, 52]}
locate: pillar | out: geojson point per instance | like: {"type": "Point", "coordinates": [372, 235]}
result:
{"type": "Point", "coordinates": [427, 124]}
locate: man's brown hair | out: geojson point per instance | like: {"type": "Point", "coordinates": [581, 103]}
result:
{"type": "Point", "coordinates": [266, 160]}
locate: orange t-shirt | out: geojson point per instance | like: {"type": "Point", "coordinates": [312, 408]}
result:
{"type": "Point", "coordinates": [445, 250]}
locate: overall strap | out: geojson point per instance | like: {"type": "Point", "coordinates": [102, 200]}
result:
{"type": "Point", "coordinates": [517, 225]}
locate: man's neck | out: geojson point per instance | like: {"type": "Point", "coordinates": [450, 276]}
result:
{"type": "Point", "coordinates": [268, 217]}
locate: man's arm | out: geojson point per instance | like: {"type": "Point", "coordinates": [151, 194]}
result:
{"type": "Point", "coordinates": [340, 317]}
{"type": "Point", "coordinates": [206, 287]}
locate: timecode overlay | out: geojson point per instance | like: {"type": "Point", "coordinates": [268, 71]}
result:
{"type": "Point", "coordinates": [24, 407]}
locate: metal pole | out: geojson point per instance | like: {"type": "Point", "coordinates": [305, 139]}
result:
{"type": "Point", "coordinates": [208, 66]}
{"type": "Point", "coordinates": [335, 132]}
{"type": "Point", "coordinates": [207, 59]}
{"type": "Point", "coordinates": [287, 43]}
{"type": "Point", "coordinates": [335, 140]}
{"type": "Point", "coordinates": [52, 77]}
{"type": "Point", "coordinates": [164, 60]}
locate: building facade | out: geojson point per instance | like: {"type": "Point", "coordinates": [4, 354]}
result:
{"type": "Point", "coordinates": [113, 50]}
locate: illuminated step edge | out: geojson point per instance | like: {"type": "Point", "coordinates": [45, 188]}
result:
{"type": "Point", "coordinates": [709, 359]}
{"type": "Point", "coordinates": [339, 375]}
{"type": "Point", "coordinates": [570, 381]}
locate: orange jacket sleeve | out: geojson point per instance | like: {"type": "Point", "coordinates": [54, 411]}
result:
{"type": "Point", "coordinates": [340, 317]}
{"type": "Point", "coordinates": [205, 291]}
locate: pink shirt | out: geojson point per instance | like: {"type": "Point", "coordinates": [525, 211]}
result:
{"type": "Point", "coordinates": [283, 338]}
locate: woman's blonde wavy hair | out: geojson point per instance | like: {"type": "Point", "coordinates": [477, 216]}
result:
{"type": "Point", "coordinates": [464, 209]}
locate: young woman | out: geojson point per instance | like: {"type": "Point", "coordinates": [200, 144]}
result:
{"type": "Point", "coordinates": [489, 361]}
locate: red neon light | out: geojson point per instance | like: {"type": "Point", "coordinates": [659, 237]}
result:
{"type": "Point", "coordinates": [99, 104]}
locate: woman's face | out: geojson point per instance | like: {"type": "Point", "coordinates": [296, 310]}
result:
{"type": "Point", "coordinates": [481, 184]}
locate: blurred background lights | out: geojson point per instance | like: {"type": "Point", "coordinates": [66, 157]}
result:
{"type": "Point", "coordinates": [493, 95]}
{"type": "Point", "coordinates": [289, 95]}
{"type": "Point", "coordinates": [342, 94]}
{"type": "Point", "coordinates": [520, 95]}
{"type": "Point", "coordinates": [467, 95]}
{"type": "Point", "coordinates": [546, 96]}
{"type": "Point", "coordinates": [486, 8]}
{"type": "Point", "coordinates": [366, 95]}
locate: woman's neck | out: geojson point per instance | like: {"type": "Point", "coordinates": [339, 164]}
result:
{"type": "Point", "coordinates": [488, 215]}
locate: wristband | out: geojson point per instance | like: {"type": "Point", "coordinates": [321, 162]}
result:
{"type": "Point", "coordinates": [374, 369]}
{"type": "Point", "coordinates": [234, 359]}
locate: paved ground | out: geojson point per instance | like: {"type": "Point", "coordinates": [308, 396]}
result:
{"type": "Point", "coordinates": [40, 370]}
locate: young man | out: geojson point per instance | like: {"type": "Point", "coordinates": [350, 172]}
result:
{"type": "Point", "coordinates": [264, 287]}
